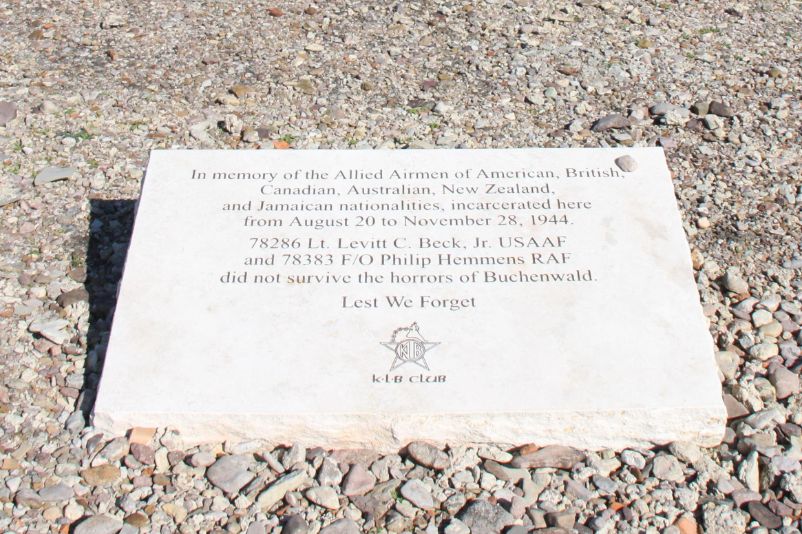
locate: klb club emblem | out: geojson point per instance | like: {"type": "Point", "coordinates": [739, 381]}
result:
{"type": "Point", "coordinates": [409, 346]}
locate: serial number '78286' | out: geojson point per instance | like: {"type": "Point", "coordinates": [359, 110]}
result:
{"type": "Point", "coordinates": [286, 243]}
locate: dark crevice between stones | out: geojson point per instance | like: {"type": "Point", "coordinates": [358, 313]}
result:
{"type": "Point", "coordinates": [110, 225]}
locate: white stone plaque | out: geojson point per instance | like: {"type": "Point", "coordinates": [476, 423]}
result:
{"type": "Point", "coordinates": [371, 298]}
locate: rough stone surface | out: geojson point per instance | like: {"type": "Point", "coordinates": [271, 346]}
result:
{"type": "Point", "coordinates": [341, 526]}
{"type": "Point", "coordinates": [229, 473]}
{"type": "Point", "coordinates": [295, 524]}
{"type": "Point", "coordinates": [278, 489]}
{"type": "Point", "coordinates": [324, 496]}
{"type": "Point", "coordinates": [52, 174]}
{"type": "Point", "coordinates": [627, 163]}
{"type": "Point", "coordinates": [557, 456]}
{"type": "Point", "coordinates": [611, 121]}
{"type": "Point", "coordinates": [785, 382]}
{"type": "Point", "coordinates": [8, 112]}
{"type": "Point", "coordinates": [56, 493]}
{"type": "Point", "coordinates": [99, 524]}
{"type": "Point", "coordinates": [763, 515]}
{"type": "Point", "coordinates": [358, 481]}
{"type": "Point", "coordinates": [418, 494]}
{"type": "Point", "coordinates": [667, 467]}
{"type": "Point", "coordinates": [483, 517]}
{"type": "Point", "coordinates": [101, 475]}
{"type": "Point", "coordinates": [427, 455]}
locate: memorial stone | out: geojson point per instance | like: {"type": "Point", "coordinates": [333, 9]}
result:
{"type": "Point", "coordinates": [372, 298]}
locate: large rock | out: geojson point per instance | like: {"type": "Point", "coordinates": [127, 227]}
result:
{"type": "Point", "coordinates": [295, 524]}
{"type": "Point", "coordinates": [358, 481]}
{"type": "Point", "coordinates": [667, 467]}
{"type": "Point", "coordinates": [612, 121]}
{"type": "Point", "coordinates": [723, 519]}
{"type": "Point", "coordinates": [230, 473]}
{"type": "Point", "coordinates": [341, 526]}
{"type": "Point", "coordinates": [101, 475]}
{"type": "Point", "coordinates": [99, 524]}
{"type": "Point", "coordinates": [557, 456]}
{"type": "Point", "coordinates": [324, 496]}
{"type": "Point", "coordinates": [280, 487]}
{"type": "Point", "coordinates": [785, 382]}
{"type": "Point", "coordinates": [483, 517]}
{"type": "Point", "coordinates": [52, 174]}
{"type": "Point", "coordinates": [51, 329]}
{"type": "Point", "coordinates": [418, 494]}
{"type": "Point", "coordinates": [56, 493]}
{"type": "Point", "coordinates": [8, 112]}
{"type": "Point", "coordinates": [427, 455]}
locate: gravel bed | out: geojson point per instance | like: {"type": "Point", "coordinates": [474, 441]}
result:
{"type": "Point", "coordinates": [88, 88]}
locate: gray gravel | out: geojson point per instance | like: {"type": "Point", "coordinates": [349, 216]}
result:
{"type": "Point", "coordinates": [87, 90]}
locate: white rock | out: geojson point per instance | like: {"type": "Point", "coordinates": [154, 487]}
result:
{"type": "Point", "coordinates": [455, 526]}
{"type": "Point", "coordinates": [686, 452]}
{"type": "Point", "coordinates": [727, 363]}
{"type": "Point", "coordinates": [52, 329]}
{"type": "Point", "coordinates": [749, 472]}
{"type": "Point", "coordinates": [733, 282]}
{"type": "Point", "coordinates": [761, 317]}
{"type": "Point", "coordinates": [52, 174]}
{"type": "Point", "coordinates": [324, 496]}
{"type": "Point", "coordinates": [418, 494]}
{"type": "Point", "coordinates": [633, 458]}
{"type": "Point", "coordinates": [764, 351]}
{"type": "Point", "coordinates": [666, 467]}
{"type": "Point", "coordinates": [279, 488]}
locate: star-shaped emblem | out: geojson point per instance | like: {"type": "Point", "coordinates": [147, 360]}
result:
{"type": "Point", "coordinates": [409, 347]}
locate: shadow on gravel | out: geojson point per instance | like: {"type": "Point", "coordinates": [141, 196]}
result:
{"type": "Point", "coordinates": [110, 225]}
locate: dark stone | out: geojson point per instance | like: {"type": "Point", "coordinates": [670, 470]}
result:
{"type": "Point", "coordinates": [763, 515]}
{"type": "Point", "coordinates": [295, 524]}
{"type": "Point", "coordinates": [695, 125]}
{"type": "Point", "coordinates": [612, 121]}
{"type": "Point", "coordinates": [721, 109]}
{"type": "Point", "coordinates": [71, 297]}
{"type": "Point", "coordinates": [780, 509]}
{"type": "Point", "coordinates": [420, 103]}
{"type": "Point", "coordinates": [143, 454]}
{"type": "Point", "coordinates": [483, 517]}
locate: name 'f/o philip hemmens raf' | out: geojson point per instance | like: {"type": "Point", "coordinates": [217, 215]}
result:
{"type": "Point", "coordinates": [418, 294]}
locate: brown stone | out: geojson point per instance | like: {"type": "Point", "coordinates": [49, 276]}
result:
{"type": "Point", "coordinates": [763, 515]}
{"type": "Point", "coordinates": [137, 519]}
{"type": "Point", "coordinates": [568, 70]}
{"type": "Point", "coordinates": [686, 525]}
{"type": "Point", "coordinates": [612, 121]}
{"type": "Point", "coordinates": [734, 408]}
{"type": "Point", "coordinates": [557, 456]}
{"type": "Point", "coordinates": [143, 453]}
{"type": "Point", "coordinates": [101, 475]}
{"type": "Point", "coordinates": [141, 435]}
{"type": "Point", "coordinates": [69, 298]}
{"type": "Point", "coordinates": [240, 90]}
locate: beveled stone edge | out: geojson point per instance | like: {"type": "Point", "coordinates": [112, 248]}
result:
{"type": "Point", "coordinates": [587, 430]}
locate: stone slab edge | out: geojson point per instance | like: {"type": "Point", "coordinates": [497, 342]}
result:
{"type": "Point", "coordinates": [589, 430]}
